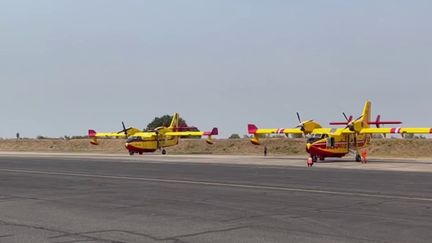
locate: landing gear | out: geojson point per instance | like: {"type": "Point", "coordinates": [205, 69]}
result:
{"type": "Point", "coordinates": [163, 151]}
{"type": "Point", "coordinates": [321, 158]}
{"type": "Point", "coordinates": [358, 158]}
{"type": "Point", "coordinates": [131, 153]}
{"type": "Point", "coordinates": [314, 158]}
{"type": "Point", "coordinates": [140, 153]}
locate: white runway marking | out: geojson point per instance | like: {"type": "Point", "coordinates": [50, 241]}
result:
{"type": "Point", "coordinates": [205, 183]}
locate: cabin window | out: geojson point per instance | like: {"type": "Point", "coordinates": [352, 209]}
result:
{"type": "Point", "coordinates": [330, 142]}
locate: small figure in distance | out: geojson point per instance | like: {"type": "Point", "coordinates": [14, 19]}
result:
{"type": "Point", "coordinates": [17, 136]}
{"type": "Point", "coordinates": [265, 150]}
{"type": "Point", "coordinates": [364, 156]}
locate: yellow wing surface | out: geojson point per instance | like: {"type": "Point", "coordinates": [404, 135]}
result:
{"type": "Point", "coordinates": [252, 129]}
{"type": "Point", "coordinates": [184, 134]}
{"type": "Point", "coordinates": [109, 135]}
{"type": "Point", "coordinates": [397, 130]}
{"type": "Point", "coordinates": [214, 131]}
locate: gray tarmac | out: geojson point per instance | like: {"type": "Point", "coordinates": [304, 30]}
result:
{"type": "Point", "coordinates": [88, 198]}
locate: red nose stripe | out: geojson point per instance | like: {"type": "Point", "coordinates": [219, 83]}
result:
{"type": "Point", "coordinates": [430, 130]}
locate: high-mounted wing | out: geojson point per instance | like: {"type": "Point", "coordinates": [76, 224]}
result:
{"type": "Point", "coordinates": [252, 129]}
{"type": "Point", "coordinates": [214, 131]}
{"type": "Point", "coordinates": [94, 134]}
{"type": "Point", "coordinates": [122, 134]}
{"type": "Point", "coordinates": [396, 130]}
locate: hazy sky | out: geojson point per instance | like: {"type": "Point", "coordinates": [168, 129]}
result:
{"type": "Point", "coordinates": [70, 65]}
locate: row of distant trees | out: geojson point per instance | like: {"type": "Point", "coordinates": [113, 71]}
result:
{"type": "Point", "coordinates": [165, 120]}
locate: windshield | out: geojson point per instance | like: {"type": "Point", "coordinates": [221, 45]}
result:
{"type": "Point", "coordinates": [315, 137]}
{"type": "Point", "coordinates": [134, 139]}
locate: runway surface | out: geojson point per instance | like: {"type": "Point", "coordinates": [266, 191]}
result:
{"type": "Point", "coordinates": [157, 199]}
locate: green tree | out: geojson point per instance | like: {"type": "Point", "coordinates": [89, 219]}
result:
{"type": "Point", "coordinates": [234, 136]}
{"type": "Point", "coordinates": [164, 121]}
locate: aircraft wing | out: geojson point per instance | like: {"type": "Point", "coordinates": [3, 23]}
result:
{"type": "Point", "coordinates": [193, 133]}
{"type": "Point", "coordinates": [145, 134]}
{"type": "Point", "coordinates": [184, 134]}
{"type": "Point", "coordinates": [252, 129]}
{"type": "Point", "coordinates": [94, 134]}
{"type": "Point", "coordinates": [397, 130]}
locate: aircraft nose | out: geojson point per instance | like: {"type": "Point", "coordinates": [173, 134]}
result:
{"type": "Point", "coordinates": [308, 145]}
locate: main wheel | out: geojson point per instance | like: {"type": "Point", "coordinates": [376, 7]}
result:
{"type": "Point", "coordinates": [140, 153]}
{"type": "Point", "coordinates": [163, 151]}
{"type": "Point", "coordinates": [131, 153]}
{"type": "Point", "coordinates": [358, 158]}
{"type": "Point", "coordinates": [314, 158]}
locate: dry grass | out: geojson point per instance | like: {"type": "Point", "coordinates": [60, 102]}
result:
{"type": "Point", "coordinates": [401, 148]}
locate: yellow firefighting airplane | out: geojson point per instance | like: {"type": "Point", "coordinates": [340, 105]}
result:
{"type": "Point", "coordinates": [149, 141]}
{"type": "Point", "coordinates": [330, 142]}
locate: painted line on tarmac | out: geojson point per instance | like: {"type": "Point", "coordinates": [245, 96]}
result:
{"type": "Point", "coordinates": [220, 184]}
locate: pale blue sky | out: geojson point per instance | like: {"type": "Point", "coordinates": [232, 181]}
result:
{"type": "Point", "coordinates": [70, 65]}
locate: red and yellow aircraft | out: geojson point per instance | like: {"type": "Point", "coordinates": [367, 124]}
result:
{"type": "Point", "coordinates": [140, 142]}
{"type": "Point", "coordinates": [330, 142]}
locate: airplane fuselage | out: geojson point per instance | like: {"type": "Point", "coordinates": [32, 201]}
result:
{"type": "Point", "coordinates": [327, 145]}
{"type": "Point", "coordinates": [137, 144]}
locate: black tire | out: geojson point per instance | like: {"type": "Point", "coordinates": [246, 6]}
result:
{"type": "Point", "coordinates": [140, 153]}
{"type": "Point", "coordinates": [131, 153]}
{"type": "Point", "coordinates": [163, 151]}
{"type": "Point", "coordinates": [358, 158]}
{"type": "Point", "coordinates": [314, 158]}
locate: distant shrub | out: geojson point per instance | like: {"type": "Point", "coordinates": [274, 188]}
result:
{"type": "Point", "coordinates": [234, 136]}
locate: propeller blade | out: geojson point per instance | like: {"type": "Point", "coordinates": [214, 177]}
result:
{"type": "Point", "coordinates": [298, 117]}
{"type": "Point", "coordinates": [346, 118]}
{"type": "Point", "coordinates": [124, 129]}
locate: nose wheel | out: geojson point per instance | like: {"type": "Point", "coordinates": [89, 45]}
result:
{"type": "Point", "coordinates": [164, 151]}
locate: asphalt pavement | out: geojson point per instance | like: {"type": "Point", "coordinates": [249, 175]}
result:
{"type": "Point", "coordinates": [63, 199]}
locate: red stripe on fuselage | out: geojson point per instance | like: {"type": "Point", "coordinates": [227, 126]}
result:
{"type": "Point", "coordinates": [139, 150]}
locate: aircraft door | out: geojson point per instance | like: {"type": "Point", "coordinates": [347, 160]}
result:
{"type": "Point", "coordinates": [330, 142]}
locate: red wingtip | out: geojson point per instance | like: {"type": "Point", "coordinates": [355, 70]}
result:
{"type": "Point", "coordinates": [91, 133]}
{"type": "Point", "coordinates": [214, 131]}
{"type": "Point", "coordinates": [252, 128]}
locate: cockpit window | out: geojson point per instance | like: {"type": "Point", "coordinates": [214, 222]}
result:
{"type": "Point", "coordinates": [315, 137]}
{"type": "Point", "coordinates": [134, 139]}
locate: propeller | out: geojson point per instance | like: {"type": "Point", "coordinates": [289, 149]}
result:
{"type": "Point", "coordinates": [301, 124]}
{"type": "Point", "coordinates": [125, 130]}
{"type": "Point", "coordinates": [351, 123]}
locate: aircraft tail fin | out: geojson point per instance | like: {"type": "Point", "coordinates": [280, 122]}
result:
{"type": "Point", "coordinates": [174, 121]}
{"type": "Point", "coordinates": [366, 114]}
